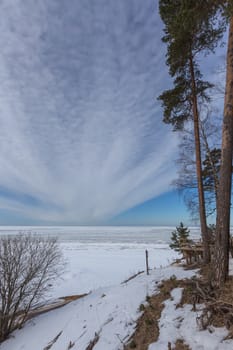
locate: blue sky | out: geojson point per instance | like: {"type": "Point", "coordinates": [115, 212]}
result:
{"type": "Point", "coordinates": [81, 138]}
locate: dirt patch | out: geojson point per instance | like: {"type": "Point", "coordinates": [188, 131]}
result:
{"type": "Point", "coordinates": [70, 298]}
{"type": "Point", "coordinates": [218, 309]}
{"type": "Point", "coordinates": [180, 345]}
{"type": "Point", "coordinates": [147, 329]}
{"type": "Point", "coordinates": [187, 294]}
{"type": "Point", "coordinates": [56, 305]}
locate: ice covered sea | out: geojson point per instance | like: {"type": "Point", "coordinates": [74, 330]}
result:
{"type": "Point", "coordinates": [104, 256]}
{"type": "Point", "coordinates": [102, 234]}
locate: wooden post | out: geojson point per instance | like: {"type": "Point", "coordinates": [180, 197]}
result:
{"type": "Point", "coordinates": [147, 265]}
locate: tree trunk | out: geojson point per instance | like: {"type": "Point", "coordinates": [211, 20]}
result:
{"type": "Point", "coordinates": [213, 168]}
{"type": "Point", "coordinates": [221, 263]}
{"type": "Point", "coordinates": [202, 211]}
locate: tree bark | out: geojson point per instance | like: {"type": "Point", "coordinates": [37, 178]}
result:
{"type": "Point", "coordinates": [213, 168]}
{"type": "Point", "coordinates": [221, 263]}
{"type": "Point", "coordinates": [202, 211]}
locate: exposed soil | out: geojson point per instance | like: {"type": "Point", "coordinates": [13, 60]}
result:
{"type": "Point", "coordinates": [49, 307]}
{"type": "Point", "coordinates": [180, 345]}
{"type": "Point", "coordinates": [147, 329]}
{"type": "Point", "coordinates": [70, 298]}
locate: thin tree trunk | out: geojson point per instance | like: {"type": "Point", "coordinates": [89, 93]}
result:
{"type": "Point", "coordinates": [202, 211]}
{"type": "Point", "coordinates": [221, 263]}
{"type": "Point", "coordinates": [208, 151]}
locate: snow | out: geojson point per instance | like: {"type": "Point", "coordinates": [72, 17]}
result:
{"type": "Point", "coordinates": [110, 311]}
{"type": "Point", "coordinates": [181, 323]}
{"type": "Point", "coordinates": [111, 308]}
{"type": "Point", "coordinates": [90, 266]}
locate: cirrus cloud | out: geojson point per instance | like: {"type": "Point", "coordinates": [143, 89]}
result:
{"type": "Point", "coordinates": [81, 135]}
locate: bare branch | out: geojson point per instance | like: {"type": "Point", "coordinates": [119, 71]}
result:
{"type": "Point", "coordinates": [28, 264]}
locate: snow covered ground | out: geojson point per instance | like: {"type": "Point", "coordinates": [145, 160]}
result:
{"type": "Point", "coordinates": [92, 265]}
{"type": "Point", "coordinates": [111, 309]}
{"type": "Point", "coordinates": [181, 323]}
{"type": "Point", "coordinates": [110, 312]}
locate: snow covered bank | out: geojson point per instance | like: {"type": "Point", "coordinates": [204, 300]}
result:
{"type": "Point", "coordinates": [109, 314]}
{"type": "Point", "coordinates": [111, 310]}
{"type": "Point", "coordinates": [181, 323]}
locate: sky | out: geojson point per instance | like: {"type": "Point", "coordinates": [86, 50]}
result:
{"type": "Point", "coordinates": [81, 139]}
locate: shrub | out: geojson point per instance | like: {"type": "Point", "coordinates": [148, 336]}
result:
{"type": "Point", "coordinates": [28, 264]}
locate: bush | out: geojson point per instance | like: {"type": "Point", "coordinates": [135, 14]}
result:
{"type": "Point", "coordinates": [28, 264]}
{"type": "Point", "coordinates": [179, 237]}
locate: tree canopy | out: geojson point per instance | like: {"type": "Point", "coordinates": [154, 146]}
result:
{"type": "Point", "coordinates": [191, 27]}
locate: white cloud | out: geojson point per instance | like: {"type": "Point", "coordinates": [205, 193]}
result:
{"type": "Point", "coordinates": [81, 130]}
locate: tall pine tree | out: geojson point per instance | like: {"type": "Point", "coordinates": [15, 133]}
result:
{"type": "Point", "coordinates": [221, 262]}
{"type": "Point", "coordinates": [190, 28]}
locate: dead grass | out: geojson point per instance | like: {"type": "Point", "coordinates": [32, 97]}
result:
{"type": "Point", "coordinates": [218, 310]}
{"type": "Point", "coordinates": [93, 342]}
{"type": "Point", "coordinates": [53, 341]}
{"type": "Point", "coordinates": [70, 298]}
{"type": "Point", "coordinates": [226, 292]}
{"type": "Point", "coordinates": [180, 345]}
{"type": "Point", "coordinates": [147, 330]}
{"type": "Point", "coordinates": [218, 302]}
{"type": "Point", "coordinates": [49, 307]}
{"type": "Point", "coordinates": [225, 297]}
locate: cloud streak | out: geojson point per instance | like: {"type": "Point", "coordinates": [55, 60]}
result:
{"type": "Point", "coordinates": [81, 131]}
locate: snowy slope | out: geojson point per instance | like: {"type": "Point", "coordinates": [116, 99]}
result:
{"type": "Point", "coordinates": [111, 312]}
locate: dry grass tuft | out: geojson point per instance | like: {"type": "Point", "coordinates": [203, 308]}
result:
{"type": "Point", "coordinates": [218, 304]}
{"type": "Point", "coordinates": [93, 342]}
{"type": "Point", "coordinates": [147, 330]}
{"type": "Point", "coordinates": [180, 345]}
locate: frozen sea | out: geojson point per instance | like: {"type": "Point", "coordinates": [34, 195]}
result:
{"type": "Point", "coordinates": [102, 234]}
{"type": "Point", "coordinates": [104, 256]}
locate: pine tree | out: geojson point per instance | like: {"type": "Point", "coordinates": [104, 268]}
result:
{"type": "Point", "coordinates": [221, 262]}
{"type": "Point", "coordinates": [179, 237]}
{"type": "Point", "coordinates": [186, 181]}
{"type": "Point", "coordinates": [211, 169]}
{"type": "Point", "coordinates": [189, 29]}
{"type": "Point", "coordinates": [221, 256]}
